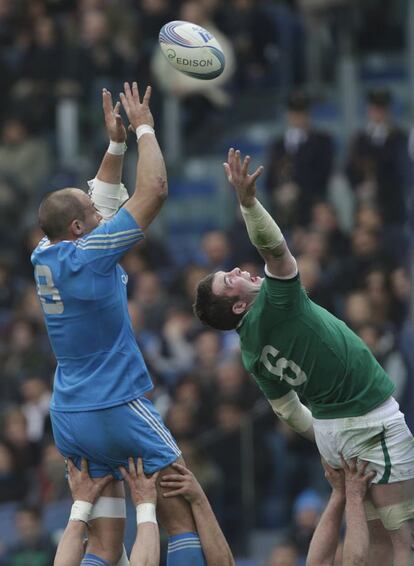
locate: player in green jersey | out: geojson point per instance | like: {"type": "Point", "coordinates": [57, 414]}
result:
{"type": "Point", "coordinates": [292, 346]}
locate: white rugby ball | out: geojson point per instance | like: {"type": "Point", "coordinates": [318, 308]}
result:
{"type": "Point", "coordinates": [192, 50]}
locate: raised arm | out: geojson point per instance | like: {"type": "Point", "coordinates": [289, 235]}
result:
{"type": "Point", "coordinates": [356, 544]}
{"type": "Point", "coordinates": [325, 539]}
{"type": "Point", "coordinates": [263, 231]}
{"type": "Point", "coordinates": [106, 190]}
{"type": "Point", "coordinates": [146, 549]}
{"type": "Point", "coordinates": [151, 187]}
{"type": "Point", "coordinates": [214, 545]}
{"type": "Point", "coordinates": [85, 491]}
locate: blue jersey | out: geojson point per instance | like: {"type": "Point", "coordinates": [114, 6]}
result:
{"type": "Point", "coordinates": [82, 290]}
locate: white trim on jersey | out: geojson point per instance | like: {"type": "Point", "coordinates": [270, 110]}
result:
{"type": "Point", "coordinates": [87, 239]}
{"type": "Point", "coordinates": [143, 412]}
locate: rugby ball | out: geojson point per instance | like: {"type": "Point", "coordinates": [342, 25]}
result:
{"type": "Point", "coordinates": [192, 50]}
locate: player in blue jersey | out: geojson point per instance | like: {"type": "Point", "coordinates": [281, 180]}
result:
{"type": "Point", "coordinates": [98, 410]}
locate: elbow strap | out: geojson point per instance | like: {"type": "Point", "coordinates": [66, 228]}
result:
{"type": "Point", "coordinates": [107, 197]}
{"type": "Point", "coordinates": [290, 409]}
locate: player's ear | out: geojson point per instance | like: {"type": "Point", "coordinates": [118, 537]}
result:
{"type": "Point", "coordinates": [239, 307]}
{"type": "Point", "coordinates": [76, 227]}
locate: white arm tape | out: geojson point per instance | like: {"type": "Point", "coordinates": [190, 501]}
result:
{"type": "Point", "coordinates": [107, 197]}
{"type": "Point", "coordinates": [263, 231]}
{"type": "Point", "coordinates": [144, 129]}
{"type": "Point", "coordinates": [117, 148]}
{"type": "Point", "coordinates": [146, 513]}
{"type": "Point", "coordinates": [290, 409]}
{"type": "Point", "coordinates": [81, 511]}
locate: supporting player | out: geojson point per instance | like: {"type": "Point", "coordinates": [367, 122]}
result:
{"type": "Point", "coordinates": [72, 548]}
{"type": "Point", "coordinates": [98, 410]}
{"type": "Point", "coordinates": [349, 487]}
{"type": "Point", "coordinates": [291, 345]}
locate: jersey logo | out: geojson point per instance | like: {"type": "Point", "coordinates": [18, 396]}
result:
{"type": "Point", "coordinates": [124, 278]}
{"type": "Point", "coordinates": [286, 370]}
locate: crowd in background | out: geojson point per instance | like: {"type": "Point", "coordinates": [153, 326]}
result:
{"type": "Point", "coordinates": [55, 49]}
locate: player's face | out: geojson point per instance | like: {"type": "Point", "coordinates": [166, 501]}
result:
{"type": "Point", "coordinates": [236, 283]}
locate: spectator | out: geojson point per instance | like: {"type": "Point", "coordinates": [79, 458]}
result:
{"type": "Point", "coordinates": [299, 164]}
{"type": "Point", "coordinates": [36, 399]}
{"type": "Point", "coordinates": [13, 486]}
{"type": "Point", "coordinates": [34, 546]}
{"type": "Point", "coordinates": [377, 161]}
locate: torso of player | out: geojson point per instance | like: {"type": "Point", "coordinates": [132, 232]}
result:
{"type": "Point", "coordinates": [289, 342]}
{"type": "Point", "coordinates": [86, 314]}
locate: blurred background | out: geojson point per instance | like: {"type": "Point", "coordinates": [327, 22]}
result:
{"type": "Point", "coordinates": [321, 92]}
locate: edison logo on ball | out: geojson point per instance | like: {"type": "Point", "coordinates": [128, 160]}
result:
{"type": "Point", "coordinates": [171, 54]}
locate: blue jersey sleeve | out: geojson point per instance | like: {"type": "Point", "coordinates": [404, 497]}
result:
{"type": "Point", "coordinates": [103, 247]}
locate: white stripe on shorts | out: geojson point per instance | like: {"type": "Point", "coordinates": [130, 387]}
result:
{"type": "Point", "coordinates": [144, 414]}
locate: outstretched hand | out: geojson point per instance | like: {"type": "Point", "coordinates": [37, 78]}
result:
{"type": "Point", "coordinates": [113, 121]}
{"type": "Point", "coordinates": [143, 489]}
{"type": "Point", "coordinates": [138, 112]}
{"type": "Point", "coordinates": [238, 175]}
{"type": "Point", "coordinates": [82, 486]}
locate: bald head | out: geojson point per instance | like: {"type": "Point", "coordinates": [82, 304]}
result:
{"type": "Point", "coordinates": [57, 211]}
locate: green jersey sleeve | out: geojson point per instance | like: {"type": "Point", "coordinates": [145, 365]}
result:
{"type": "Point", "coordinates": [270, 387]}
{"type": "Point", "coordinates": [284, 294]}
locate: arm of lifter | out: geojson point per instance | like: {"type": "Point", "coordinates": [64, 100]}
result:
{"type": "Point", "coordinates": [325, 539]}
{"type": "Point", "coordinates": [215, 548]}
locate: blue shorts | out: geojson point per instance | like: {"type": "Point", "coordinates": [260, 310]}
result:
{"type": "Point", "coordinates": [108, 437]}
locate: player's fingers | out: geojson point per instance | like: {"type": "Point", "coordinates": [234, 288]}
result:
{"type": "Point", "coordinates": [344, 462]}
{"type": "Point", "coordinates": [84, 466]}
{"type": "Point", "coordinates": [362, 466]}
{"type": "Point", "coordinates": [117, 107]}
{"type": "Point", "coordinates": [237, 162]}
{"type": "Point", "coordinates": [154, 476]}
{"type": "Point", "coordinates": [370, 476]}
{"type": "Point", "coordinates": [171, 477]}
{"type": "Point", "coordinates": [71, 466]}
{"type": "Point", "coordinates": [135, 92]}
{"type": "Point", "coordinates": [147, 96]}
{"type": "Point", "coordinates": [180, 468]}
{"type": "Point", "coordinates": [174, 493]}
{"type": "Point", "coordinates": [256, 174]}
{"type": "Point", "coordinates": [245, 165]}
{"type": "Point", "coordinates": [128, 93]}
{"type": "Point", "coordinates": [140, 467]}
{"type": "Point", "coordinates": [352, 464]}
{"type": "Point", "coordinates": [170, 483]}
{"type": "Point", "coordinates": [106, 101]}
{"type": "Point", "coordinates": [131, 468]}
{"type": "Point", "coordinates": [124, 102]}
{"type": "Point", "coordinates": [227, 170]}
{"type": "Point", "coordinates": [124, 473]}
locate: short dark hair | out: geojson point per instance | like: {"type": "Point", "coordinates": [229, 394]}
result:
{"type": "Point", "coordinates": [57, 210]}
{"type": "Point", "coordinates": [215, 310]}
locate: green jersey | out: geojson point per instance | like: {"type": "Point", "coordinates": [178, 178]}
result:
{"type": "Point", "coordinates": [289, 342]}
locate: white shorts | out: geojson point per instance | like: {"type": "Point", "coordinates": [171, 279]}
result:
{"type": "Point", "coordinates": [381, 437]}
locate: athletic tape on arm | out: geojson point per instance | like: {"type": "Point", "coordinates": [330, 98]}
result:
{"type": "Point", "coordinates": [263, 231]}
{"type": "Point", "coordinates": [107, 197]}
{"type": "Point", "coordinates": [290, 409]}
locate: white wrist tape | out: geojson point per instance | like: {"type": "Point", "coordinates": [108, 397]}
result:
{"type": "Point", "coordinates": [117, 148]}
{"type": "Point", "coordinates": [263, 231]}
{"type": "Point", "coordinates": [146, 513]}
{"type": "Point", "coordinates": [81, 511]}
{"type": "Point", "coordinates": [144, 129]}
{"type": "Point", "coordinates": [107, 197]}
{"type": "Point", "coordinates": [290, 409]}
